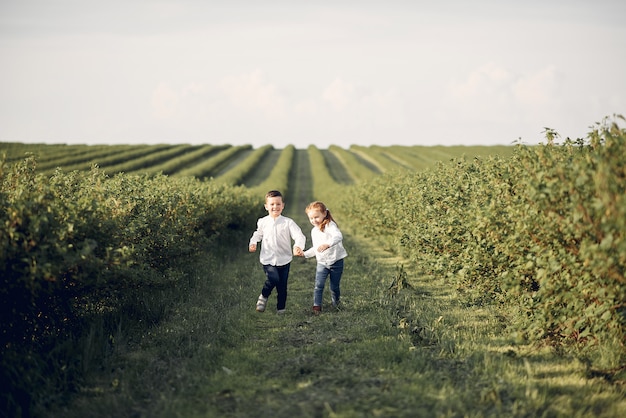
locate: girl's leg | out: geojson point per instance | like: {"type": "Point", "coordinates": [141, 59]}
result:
{"type": "Point", "coordinates": [281, 286]}
{"type": "Point", "coordinates": [321, 273]}
{"type": "Point", "coordinates": [336, 270]}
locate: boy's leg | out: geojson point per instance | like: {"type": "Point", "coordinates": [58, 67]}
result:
{"type": "Point", "coordinates": [336, 270]}
{"type": "Point", "coordinates": [271, 280]}
{"type": "Point", "coordinates": [281, 286]}
{"type": "Point", "coordinates": [321, 273]}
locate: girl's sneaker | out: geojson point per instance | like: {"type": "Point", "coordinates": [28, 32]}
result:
{"type": "Point", "coordinates": [317, 310]}
{"type": "Point", "coordinates": [260, 303]}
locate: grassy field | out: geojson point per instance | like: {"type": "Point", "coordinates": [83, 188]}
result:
{"type": "Point", "coordinates": [401, 346]}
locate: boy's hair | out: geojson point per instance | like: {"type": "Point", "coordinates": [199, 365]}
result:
{"type": "Point", "coordinates": [322, 208]}
{"type": "Point", "coordinates": [273, 193]}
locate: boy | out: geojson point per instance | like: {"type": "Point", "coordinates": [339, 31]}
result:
{"type": "Point", "coordinates": [276, 232]}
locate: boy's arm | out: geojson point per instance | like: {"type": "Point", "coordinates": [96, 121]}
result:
{"type": "Point", "coordinates": [297, 236]}
{"type": "Point", "coordinates": [256, 237]}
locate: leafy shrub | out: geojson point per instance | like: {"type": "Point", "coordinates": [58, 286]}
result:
{"type": "Point", "coordinates": [80, 242]}
{"type": "Point", "coordinates": [571, 228]}
{"type": "Point", "coordinates": [543, 230]}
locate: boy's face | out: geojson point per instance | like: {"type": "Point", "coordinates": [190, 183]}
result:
{"type": "Point", "coordinates": [274, 206]}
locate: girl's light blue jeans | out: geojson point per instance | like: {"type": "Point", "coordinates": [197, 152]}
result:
{"type": "Point", "coordinates": [321, 274]}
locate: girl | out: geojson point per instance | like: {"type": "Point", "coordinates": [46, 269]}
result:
{"type": "Point", "coordinates": [328, 249]}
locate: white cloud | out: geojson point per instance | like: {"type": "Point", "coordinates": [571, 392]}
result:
{"type": "Point", "coordinates": [487, 82]}
{"type": "Point", "coordinates": [252, 92]}
{"type": "Point", "coordinates": [194, 88]}
{"type": "Point", "coordinates": [365, 106]}
{"type": "Point", "coordinates": [494, 90]}
{"type": "Point", "coordinates": [306, 107]}
{"type": "Point", "coordinates": [164, 102]}
{"type": "Point", "coordinates": [338, 94]}
{"type": "Point", "coordinates": [537, 89]}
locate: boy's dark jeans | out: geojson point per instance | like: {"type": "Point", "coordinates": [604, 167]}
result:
{"type": "Point", "coordinates": [276, 277]}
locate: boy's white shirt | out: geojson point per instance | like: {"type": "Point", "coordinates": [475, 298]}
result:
{"type": "Point", "coordinates": [276, 235]}
{"type": "Point", "coordinates": [331, 236]}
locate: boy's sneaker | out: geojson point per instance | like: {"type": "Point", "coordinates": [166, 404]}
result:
{"type": "Point", "coordinates": [317, 310]}
{"type": "Point", "coordinates": [281, 311]}
{"type": "Point", "coordinates": [260, 303]}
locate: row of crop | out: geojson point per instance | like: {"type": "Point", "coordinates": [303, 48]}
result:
{"type": "Point", "coordinates": [278, 178]}
{"type": "Point", "coordinates": [207, 168]}
{"type": "Point", "coordinates": [428, 156]}
{"type": "Point", "coordinates": [365, 162]}
{"type": "Point", "coordinates": [15, 151]}
{"type": "Point", "coordinates": [150, 159]}
{"type": "Point", "coordinates": [74, 245]}
{"type": "Point", "coordinates": [83, 158]}
{"type": "Point", "coordinates": [358, 168]}
{"type": "Point", "coordinates": [184, 160]}
{"type": "Point", "coordinates": [101, 158]}
{"type": "Point", "coordinates": [235, 175]}
{"type": "Point", "coordinates": [144, 163]}
{"type": "Point", "coordinates": [324, 185]}
{"type": "Point", "coordinates": [49, 160]}
{"type": "Point", "coordinates": [544, 231]}
{"type": "Point", "coordinates": [381, 160]}
{"type": "Point", "coordinates": [347, 165]}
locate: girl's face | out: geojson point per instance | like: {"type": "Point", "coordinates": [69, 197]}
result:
{"type": "Point", "coordinates": [274, 206]}
{"type": "Point", "coordinates": [316, 217]}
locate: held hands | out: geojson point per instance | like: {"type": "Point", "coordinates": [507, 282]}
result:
{"type": "Point", "coordinates": [297, 251]}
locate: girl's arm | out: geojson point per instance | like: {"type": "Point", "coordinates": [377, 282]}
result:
{"type": "Point", "coordinates": [333, 233]}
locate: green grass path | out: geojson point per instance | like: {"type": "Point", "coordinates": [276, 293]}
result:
{"type": "Point", "coordinates": [300, 190]}
{"type": "Point", "coordinates": [401, 346]}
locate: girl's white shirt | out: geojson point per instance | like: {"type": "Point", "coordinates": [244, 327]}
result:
{"type": "Point", "coordinates": [331, 236]}
{"type": "Point", "coordinates": [276, 235]}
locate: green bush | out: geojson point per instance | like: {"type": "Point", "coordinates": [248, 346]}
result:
{"type": "Point", "coordinates": [77, 244]}
{"type": "Point", "coordinates": [542, 231]}
{"type": "Point", "coordinates": [571, 226]}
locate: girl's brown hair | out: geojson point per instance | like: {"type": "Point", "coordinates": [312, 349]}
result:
{"type": "Point", "coordinates": [323, 209]}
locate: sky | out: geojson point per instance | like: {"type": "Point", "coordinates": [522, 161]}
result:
{"type": "Point", "coordinates": [392, 72]}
